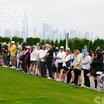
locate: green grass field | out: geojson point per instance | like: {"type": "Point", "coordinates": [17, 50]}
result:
{"type": "Point", "coordinates": [19, 88]}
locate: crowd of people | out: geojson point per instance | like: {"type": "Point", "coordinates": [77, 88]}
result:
{"type": "Point", "coordinates": [52, 63]}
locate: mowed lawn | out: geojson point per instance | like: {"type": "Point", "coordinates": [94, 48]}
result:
{"type": "Point", "coordinates": [19, 88]}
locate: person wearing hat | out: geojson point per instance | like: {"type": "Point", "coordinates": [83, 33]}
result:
{"type": "Point", "coordinates": [60, 56]}
{"type": "Point", "coordinates": [12, 51]}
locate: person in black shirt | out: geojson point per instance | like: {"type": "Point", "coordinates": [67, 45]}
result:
{"type": "Point", "coordinates": [97, 65]}
{"type": "Point", "coordinates": [6, 56]}
{"type": "Point", "coordinates": [49, 60]}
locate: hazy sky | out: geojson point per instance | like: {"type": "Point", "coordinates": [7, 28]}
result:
{"type": "Point", "coordinates": [85, 15]}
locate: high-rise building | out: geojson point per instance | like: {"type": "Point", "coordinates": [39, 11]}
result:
{"type": "Point", "coordinates": [25, 27]}
{"type": "Point", "coordinates": [55, 34]}
{"type": "Point", "coordinates": [73, 33]}
{"type": "Point", "coordinates": [47, 31]}
{"type": "Point", "coordinates": [87, 35]}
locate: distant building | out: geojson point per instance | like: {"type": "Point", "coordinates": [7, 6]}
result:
{"type": "Point", "coordinates": [25, 27]}
{"type": "Point", "coordinates": [87, 35]}
{"type": "Point", "coordinates": [7, 33]}
{"type": "Point", "coordinates": [47, 31]}
{"type": "Point", "coordinates": [73, 33]}
{"type": "Point", "coordinates": [55, 34]}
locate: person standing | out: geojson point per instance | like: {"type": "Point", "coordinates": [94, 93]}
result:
{"type": "Point", "coordinates": [34, 60]}
{"type": "Point", "coordinates": [6, 56]}
{"type": "Point", "coordinates": [26, 59]}
{"type": "Point", "coordinates": [65, 66]}
{"type": "Point", "coordinates": [86, 65]}
{"type": "Point", "coordinates": [49, 60]}
{"type": "Point", "coordinates": [12, 51]}
{"type": "Point", "coordinates": [97, 65]}
{"type": "Point", "coordinates": [60, 56]}
{"type": "Point", "coordinates": [77, 66]}
{"type": "Point", "coordinates": [42, 59]}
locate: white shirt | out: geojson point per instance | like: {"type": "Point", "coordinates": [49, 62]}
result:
{"type": "Point", "coordinates": [86, 62]}
{"type": "Point", "coordinates": [42, 55]}
{"type": "Point", "coordinates": [66, 59]}
{"type": "Point", "coordinates": [34, 56]}
{"type": "Point", "coordinates": [60, 56]}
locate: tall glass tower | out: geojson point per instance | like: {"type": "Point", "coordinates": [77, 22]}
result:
{"type": "Point", "coordinates": [25, 27]}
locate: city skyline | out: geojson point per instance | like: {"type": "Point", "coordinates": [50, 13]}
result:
{"type": "Point", "coordinates": [81, 15]}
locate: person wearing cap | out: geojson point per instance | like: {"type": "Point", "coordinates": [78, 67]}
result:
{"type": "Point", "coordinates": [12, 51]}
{"type": "Point", "coordinates": [60, 56]}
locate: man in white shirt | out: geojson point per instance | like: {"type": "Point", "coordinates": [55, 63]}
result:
{"type": "Point", "coordinates": [60, 56]}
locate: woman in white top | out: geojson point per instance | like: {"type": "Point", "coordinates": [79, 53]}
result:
{"type": "Point", "coordinates": [86, 67]}
{"type": "Point", "coordinates": [42, 59]}
{"type": "Point", "coordinates": [34, 56]}
{"type": "Point", "coordinates": [66, 66]}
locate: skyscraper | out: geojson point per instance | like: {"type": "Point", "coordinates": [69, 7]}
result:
{"type": "Point", "coordinates": [87, 35]}
{"type": "Point", "coordinates": [47, 31]}
{"type": "Point", "coordinates": [25, 27]}
{"type": "Point", "coordinates": [73, 33]}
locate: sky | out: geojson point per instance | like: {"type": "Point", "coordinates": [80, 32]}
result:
{"type": "Point", "coordinates": [85, 15]}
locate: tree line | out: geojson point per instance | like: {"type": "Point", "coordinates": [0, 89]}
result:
{"type": "Point", "coordinates": [72, 43]}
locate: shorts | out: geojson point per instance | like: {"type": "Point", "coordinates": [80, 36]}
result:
{"type": "Point", "coordinates": [71, 68]}
{"type": "Point", "coordinates": [54, 68]}
{"type": "Point", "coordinates": [60, 67]}
{"type": "Point", "coordinates": [12, 58]}
{"type": "Point", "coordinates": [34, 62]}
{"type": "Point", "coordinates": [65, 68]}
{"type": "Point", "coordinates": [77, 71]}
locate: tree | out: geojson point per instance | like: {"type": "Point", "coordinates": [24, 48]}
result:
{"type": "Point", "coordinates": [70, 44]}
{"type": "Point", "coordinates": [56, 43]}
{"type": "Point", "coordinates": [17, 39]}
{"type": "Point", "coordinates": [5, 39]}
{"type": "Point", "coordinates": [32, 41]}
{"type": "Point", "coordinates": [62, 43]}
{"type": "Point", "coordinates": [98, 42]}
{"type": "Point", "coordinates": [42, 42]}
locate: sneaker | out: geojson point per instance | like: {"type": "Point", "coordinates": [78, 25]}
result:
{"type": "Point", "coordinates": [59, 80]}
{"type": "Point", "coordinates": [83, 86]}
{"type": "Point", "coordinates": [49, 78]}
{"type": "Point", "coordinates": [72, 83]}
{"type": "Point", "coordinates": [79, 84]}
{"type": "Point", "coordinates": [65, 82]}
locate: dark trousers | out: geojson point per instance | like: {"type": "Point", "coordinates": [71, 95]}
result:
{"type": "Point", "coordinates": [77, 73]}
{"type": "Point", "coordinates": [68, 76]}
{"type": "Point", "coordinates": [43, 69]}
{"type": "Point", "coordinates": [49, 67]}
{"type": "Point", "coordinates": [25, 66]}
{"type": "Point", "coordinates": [6, 59]}
{"type": "Point", "coordinates": [86, 78]}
